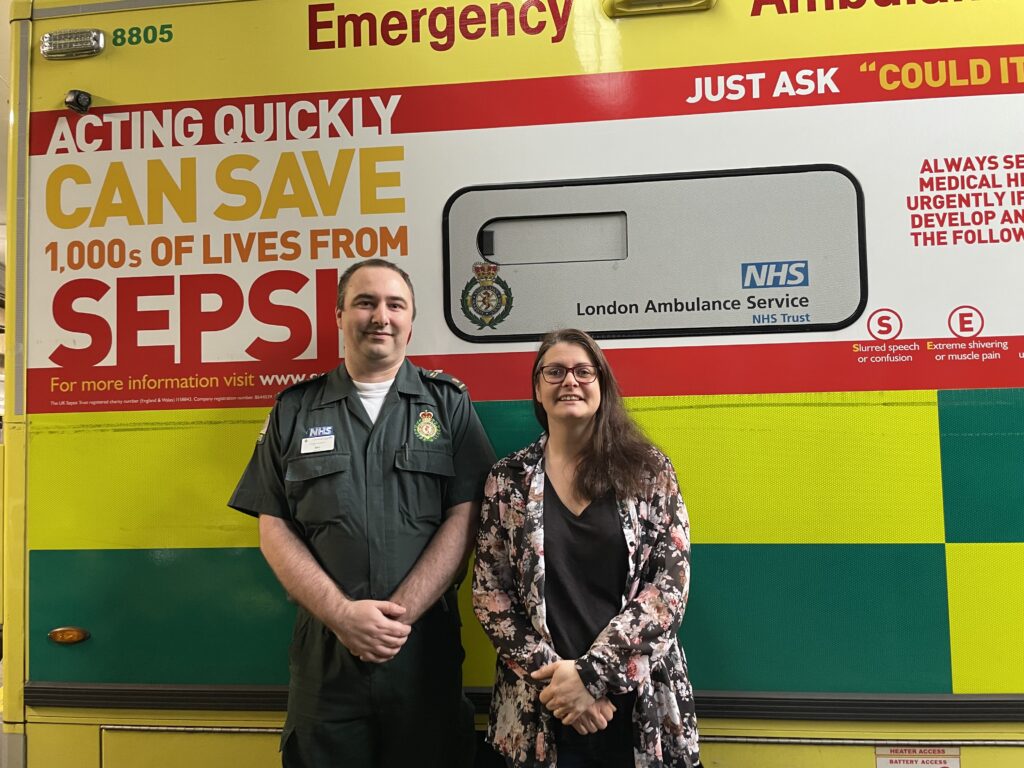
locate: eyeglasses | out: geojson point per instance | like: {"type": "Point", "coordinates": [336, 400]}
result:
{"type": "Point", "coordinates": [555, 374]}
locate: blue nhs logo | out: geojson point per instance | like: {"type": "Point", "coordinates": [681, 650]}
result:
{"type": "Point", "coordinates": [774, 274]}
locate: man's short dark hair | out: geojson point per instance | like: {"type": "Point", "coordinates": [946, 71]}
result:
{"type": "Point", "coordinates": [347, 276]}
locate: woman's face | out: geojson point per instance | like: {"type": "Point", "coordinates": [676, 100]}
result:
{"type": "Point", "coordinates": [570, 399]}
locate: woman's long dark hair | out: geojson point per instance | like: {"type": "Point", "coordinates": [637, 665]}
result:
{"type": "Point", "coordinates": [618, 453]}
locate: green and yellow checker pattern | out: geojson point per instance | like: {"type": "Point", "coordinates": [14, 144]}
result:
{"type": "Point", "coordinates": [852, 542]}
{"type": "Point", "coordinates": [842, 543]}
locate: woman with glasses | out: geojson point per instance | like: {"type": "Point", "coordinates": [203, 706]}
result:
{"type": "Point", "coordinates": [582, 574]}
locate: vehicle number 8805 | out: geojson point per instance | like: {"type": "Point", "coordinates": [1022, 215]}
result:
{"type": "Point", "coordinates": [142, 35]}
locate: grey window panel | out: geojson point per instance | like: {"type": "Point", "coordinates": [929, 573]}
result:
{"type": "Point", "coordinates": [747, 251]}
{"type": "Point", "coordinates": [554, 239]}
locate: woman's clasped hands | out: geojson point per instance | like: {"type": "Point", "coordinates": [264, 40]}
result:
{"type": "Point", "coordinates": [568, 699]}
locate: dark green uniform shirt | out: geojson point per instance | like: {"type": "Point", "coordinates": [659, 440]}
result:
{"type": "Point", "coordinates": [367, 498]}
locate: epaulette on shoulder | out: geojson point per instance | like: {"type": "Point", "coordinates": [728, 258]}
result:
{"type": "Point", "coordinates": [300, 385]}
{"type": "Point", "coordinates": [439, 375]}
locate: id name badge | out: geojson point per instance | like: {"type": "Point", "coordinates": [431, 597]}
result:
{"type": "Point", "coordinates": [317, 444]}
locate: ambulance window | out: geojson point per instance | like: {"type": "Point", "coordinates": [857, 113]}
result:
{"type": "Point", "coordinates": [554, 239]}
{"type": "Point", "coordinates": [741, 251]}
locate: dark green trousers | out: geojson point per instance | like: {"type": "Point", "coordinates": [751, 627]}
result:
{"type": "Point", "coordinates": [410, 711]}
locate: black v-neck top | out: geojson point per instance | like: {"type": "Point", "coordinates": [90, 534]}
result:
{"type": "Point", "coordinates": [585, 570]}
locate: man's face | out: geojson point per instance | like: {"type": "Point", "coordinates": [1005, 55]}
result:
{"type": "Point", "coordinates": [376, 319]}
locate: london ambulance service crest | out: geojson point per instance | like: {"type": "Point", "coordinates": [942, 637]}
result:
{"type": "Point", "coordinates": [486, 299]}
{"type": "Point", "coordinates": [427, 429]}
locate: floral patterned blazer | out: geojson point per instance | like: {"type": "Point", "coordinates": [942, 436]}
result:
{"type": "Point", "coordinates": [638, 650]}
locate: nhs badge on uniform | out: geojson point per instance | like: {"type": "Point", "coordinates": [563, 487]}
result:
{"type": "Point", "coordinates": [318, 439]}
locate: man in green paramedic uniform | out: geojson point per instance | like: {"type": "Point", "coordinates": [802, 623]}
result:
{"type": "Point", "coordinates": [367, 483]}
